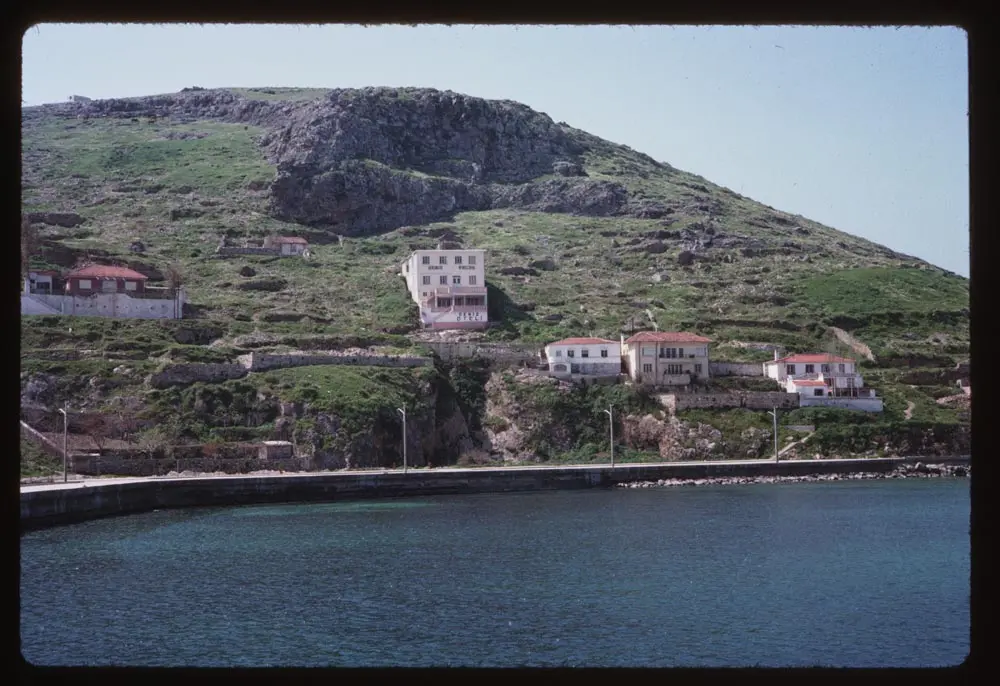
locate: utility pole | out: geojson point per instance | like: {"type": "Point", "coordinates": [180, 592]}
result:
{"type": "Point", "coordinates": [611, 422]}
{"type": "Point", "coordinates": [774, 414]}
{"type": "Point", "coordinates": [65, 442]}
{"type": "Point", "coordinates": [402, 411]}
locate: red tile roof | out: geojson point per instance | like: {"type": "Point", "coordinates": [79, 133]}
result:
{"type": "Point", "coordinates": [667, 337]}
{"type": "Point", "coordinates": [44, 272]}
{"type": "Point", "coordinates": [100, 271]}
{"type": "Point", "coordinates": [581, 341]}
{"type": "Point", "coordinates": [289, 239]}
{"type": "Point", "coordinates": [808, 382]}
{"type": "Point", "coordinates": [814, 357]}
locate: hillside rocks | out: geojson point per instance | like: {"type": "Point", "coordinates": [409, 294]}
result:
{"type": "Point", "coordinates": [364, 161]}
{"type": "Point", "coordinates": [66, 220]}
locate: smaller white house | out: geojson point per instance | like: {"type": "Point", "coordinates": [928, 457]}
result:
{"type": "Point", "coordinates": [575, 357]}
{"type": "Point", "coordinates": [823, 379]}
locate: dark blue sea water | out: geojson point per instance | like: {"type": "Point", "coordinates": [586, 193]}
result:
{"type": "Point", "coordinates": [864, 573]}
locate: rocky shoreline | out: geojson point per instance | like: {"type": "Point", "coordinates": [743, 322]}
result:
{"type": "Point", "coordinates": [914, 471]}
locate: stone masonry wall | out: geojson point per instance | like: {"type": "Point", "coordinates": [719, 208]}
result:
{"type": "Point", "coordinates": [751, 400]}
{"type": "Point", "coordinates": [735, 369]}
{"type": "Point", "coordinates": [495, 352]}
{"type": "Point", "coordinates": [257, 362]}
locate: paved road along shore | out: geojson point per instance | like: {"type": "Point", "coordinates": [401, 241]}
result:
{"type": "Point", "coordinates": [51, 504]}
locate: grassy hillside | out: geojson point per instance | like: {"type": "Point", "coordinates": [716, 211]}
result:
{"type": "Point", "coordinates": [759, 275]}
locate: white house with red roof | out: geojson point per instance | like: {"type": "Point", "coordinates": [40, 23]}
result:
{"type": "Point", "coordinates": [584, 357]}
{"type": "Point", "coordinates": [100, 291]}
{"type": "Point", "coordinates": [823, 379]}
{"type": "Point", "coordinates": [666, 358]}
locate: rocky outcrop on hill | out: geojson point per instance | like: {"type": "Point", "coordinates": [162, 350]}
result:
{"type": "Point", "coordinates": [370, 160]}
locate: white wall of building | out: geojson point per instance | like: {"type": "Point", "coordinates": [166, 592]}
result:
{"type": "Point", "coordinates": [104, 305]}
{"type": "Point", "coordinates": [435, 277]}
{"type": "Point", "coordinates": [779, 370]}
{"type": "Point", "coordinates": [593, 359]}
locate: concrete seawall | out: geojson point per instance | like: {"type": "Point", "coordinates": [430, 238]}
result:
{"type": "Point", "coordinates": [57, 504]}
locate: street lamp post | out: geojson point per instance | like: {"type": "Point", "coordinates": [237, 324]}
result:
{"type": "Point", "coordinates": [774, 415]}
{"type": "Point", "coordinates": [611, 422]}
{"type": "Point", "coordinates": [65, 442]}
{"type": "Point", "coordinates": [402, 411]}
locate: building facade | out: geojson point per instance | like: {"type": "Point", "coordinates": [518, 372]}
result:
{"type": "Point", "coordinates": [449, 287]}
{"type": "Point", "coordinates": [666, 358]}
{"type": "Point", "coordinates": [105, 279]}
{"type": "Point", "coordinates": [823, 379]}
{"type": "Point", "coordinates": [100, 291]}
{"type": "Point", "coordinates": [576, 357]}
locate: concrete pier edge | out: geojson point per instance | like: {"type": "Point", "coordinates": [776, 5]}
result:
{"type": "Point", "coordinates": [49, 505]}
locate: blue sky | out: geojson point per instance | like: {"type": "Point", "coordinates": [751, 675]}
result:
{"type": "Point", "coordinates": [862, 129]}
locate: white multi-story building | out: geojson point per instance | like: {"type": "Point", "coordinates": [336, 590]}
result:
{"type": "Point", "coordinates": [584, 357]}
{"type": "Point", "coordinates": [823, 379]}
{"type": "Point", "coordinates": [449, 287]}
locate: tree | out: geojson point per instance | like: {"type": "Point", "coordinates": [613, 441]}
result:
{"type": "Point", "coordinates": [97, 428]}
{"type": "Point", "coordinates": [174, 275]}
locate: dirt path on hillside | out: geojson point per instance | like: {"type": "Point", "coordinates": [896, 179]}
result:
{"type": "Point", "coordinates": [855, 344]}
{"type": "Point", "coordinates": [908, 413]}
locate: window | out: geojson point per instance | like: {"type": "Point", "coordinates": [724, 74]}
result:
{"type": "Point", "coordinates": [818, 391]}
{"type": "Point", "coordinates": [558, 353]}
{"type": "Point", "coordinates": [604, 352]}
{"type": "Point", "coordinates": [570, 353]}
{"type": "Point", "coordinates": [472, 259]}
{"type": "Point", "coordinates": [427, 281]}
{"type": "Point", "coordinates": [444, 280]}
{"type": "Point", "coordinates": [456, 280]}
{"type": "Point", "coordinates": [810, 369]}
{"type": "Point", "coordinates": [109, 285]}
{"type": "Point", "coordinates": [842, 369]}
{"type": "Point", "coordinates": [459, 302]}
{"type": "Point", "coordinates": [443, 259]}
{"type": "Point", "coordinates": [130, 285]}
{"type": "Point", "coordinates": [789, 369]}
{"type": "Point", "coordinates": [426, 259]}
{"type": "Point", "coordinates": [648, 350]}
{"type": "Point", "coordinates": [674, 369]}
{"type": "Point", "coordinates": [559, 368]}
{"type": "Point", "coordinates": [647, 368]}
{"type": "Point", "coordinates": [825, 368]}
{"type": "Point", "coordinates": [697, 368]}
{"type": "Point", "coordinates": [585, 353]}
{"type": "Point", "coordinates": [458, 259]}
{"type": "Point", "coordinates": [444, 302]}
{"type": "Point", "coordinates": [680, 352]}
{"type": "Point", "coordinates": [472, 280]}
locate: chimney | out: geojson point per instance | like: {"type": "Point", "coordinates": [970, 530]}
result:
{"type": "Point", "coordinates": [775, 354]}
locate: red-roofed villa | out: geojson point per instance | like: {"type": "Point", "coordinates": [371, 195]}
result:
{"type": "Point", "coordinates": [822, 378]}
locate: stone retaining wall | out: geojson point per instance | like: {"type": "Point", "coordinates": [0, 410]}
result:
{"type": "Point", "coordinates": [864, 404]}
{"type": "Point", "coordinates": [495, 352]}
{"type": "Point", "coordinates": [751, 400]}
{"type": "Point", "coordinates": [735, 369]}
{"type": "Point", "coordinates": [228, 251]}
{"type": "Point", "coordinates": [122, 465]}
{"type": "Point", "coordinates": [258, 362]}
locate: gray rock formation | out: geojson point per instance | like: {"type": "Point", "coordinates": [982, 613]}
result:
{"type": "Point", "coordinates": [363, 161]}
